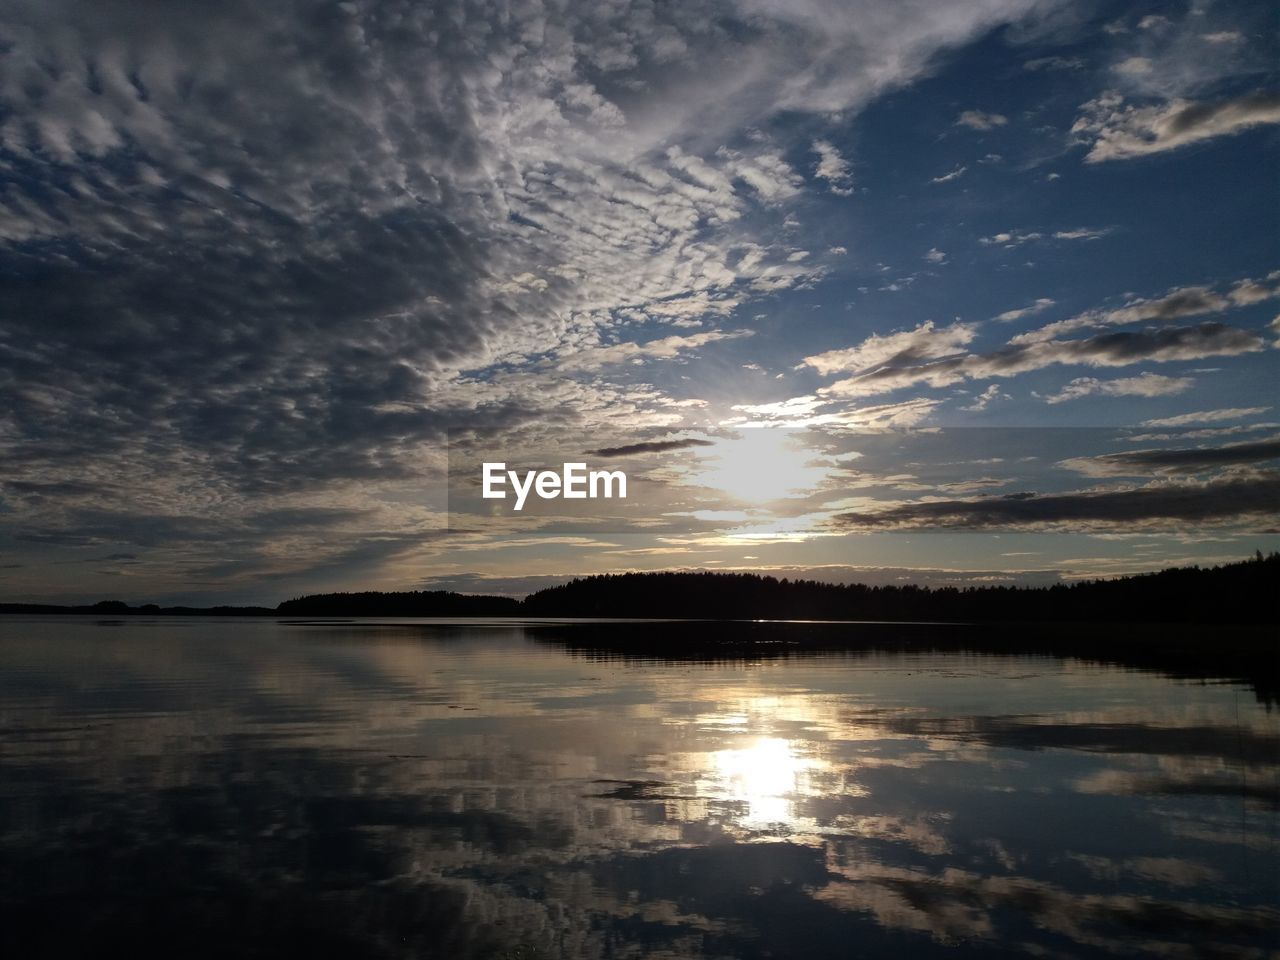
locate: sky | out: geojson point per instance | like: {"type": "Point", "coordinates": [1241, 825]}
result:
{"type": "Point", "coordinates": [878, 290]}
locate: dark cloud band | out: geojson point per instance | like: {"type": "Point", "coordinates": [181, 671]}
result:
{"type": "Point", "coordinates": [653, 446]}
{"type": "Point", "coordinates": [1231, 500]}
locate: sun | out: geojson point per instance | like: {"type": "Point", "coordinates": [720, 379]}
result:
{"type": "Point", "coordinates": [759, 466]}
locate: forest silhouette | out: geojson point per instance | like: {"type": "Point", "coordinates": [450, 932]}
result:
{"type": "Point", "coordinates": [1234, 593]}
{"type": "Point", "coordinates": [1240, 592]}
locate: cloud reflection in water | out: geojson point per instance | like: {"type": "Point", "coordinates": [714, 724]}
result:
{"type": "Point", "coordinates": [439, 791]}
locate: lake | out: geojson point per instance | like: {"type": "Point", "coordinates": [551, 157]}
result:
{"type": "Point", "coordinates": [229, 788]}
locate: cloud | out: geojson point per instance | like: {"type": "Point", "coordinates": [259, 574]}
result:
{"type": "Point", "coordinates": [887, 416]}
{"type": "Point", "coordinates": [977, 120]}
{"type": "Point", "coordinates": [833, 168]}
{"type": "Point", "coordinates": [1016, 238]}
{"type": "Point", "coordinates": [1114, 131]}
{"type": "Point", "coordinates": [925, 342]}
{"type": "Point", "coordinates": [986, 398]}
{"type": "Point", "coordinates": [662, 348]}
{"type": "Point", "coordinates": [1223, 37]}
{"type": "Point", "coordinates": [1082, 233]}
{"type": "Point", "coordinates": [1246, 292]}
{"type": "Point", "coordinates": [955, 174]}
{"type": "Point", "coordinates": [766, 173]}
{"type": "Point", "coordinates": [1193, 460]}
{"type": "Point", "coordinates": [1010, 238]}
{"type": "Point", "coordinates": [814, 411]}
{"type": "Point", "coordinates": [1039, 306]}
{"type": "Point", "coordinates": [1220, 502]}
{"type": "Point", "coordinates": [1103, 350]}
{"type": "Point", "coordinates": [1145, 385]}
{"type": "Point", "coordinates": [1205, 416]}
{"type": "Point", "coordinates": [1177, 304]}
{"type": "Point", "coordinates": [1204, 433]}
{"type": "Point", "coordinates": [1134, 65]}
{"type": "Point", "coordinates": [935, 256]}
{"type": "Point", "coordinates": [261, 258]}
{"type": "Point", "coordinates": [782, 409]}
{"type": "Point", "coordinates": [1054, 63]}
{"type": "Point", "coordinates": [386, 208]}
{"type": "Point", "coordinates": [650, 446]}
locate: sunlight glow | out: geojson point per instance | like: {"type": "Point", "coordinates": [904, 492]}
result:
{"type": "Point", "coordinates": [767, 777]}
{"type": "Point", "coordinates": [759, 466]}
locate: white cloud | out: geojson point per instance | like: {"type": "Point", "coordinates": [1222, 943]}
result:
{"type": "Point", "coordinates": [1107, 350]}
{"type": "Point", "coordinates": [833, 168]}
{"type": "Point", "coordinates": [1010, 238]}
{"type": "Point", "coordinates": [1246, 292]}
{"type": "Point", "coordinates": [1083, 233]}
{"type": "Point", "coordinates": [814, 411]}
{"type": "Point", "coordinates": [1205, 416]}
{"type": "Point", "coordinates": [1114, 131]}
{"type": "Point", "coordinates": [887, 416]}
{"type": "Point", "coordinates": [1144, 385]}
{"type": "Point", "coordinates": [1016, 238]}
{"type": "Point", "coordinates": [986, 398]}
{"type": "Point", "coordinates": [1040, 305]}
{"type": "Point", "coordinates": [955, 174]}
{"type": "Point", "coordinates": [1177, 304]}
{"type": "Point", "coordinates": [1204, 433]}
{"type": "Point", "coordinates": [925, 342]}
{"type": "Point", "coordinates": [767, 173]}
{"type": "Point", "coordinates": [664, 348]}
{"type": "Point", "coordinates": [977, 120]}
{"type": "Point", "coordinates": [1135, 66]}
{"type": "Point", "coordinates": [935, 256]}
{"type": "Point", "coordinates": [782, 409]}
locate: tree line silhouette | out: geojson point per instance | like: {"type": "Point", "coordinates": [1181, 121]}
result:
{"type": "Point", "coordinates": [1233, 593]}
{"type": "Point", "coordinates": [415, 603]}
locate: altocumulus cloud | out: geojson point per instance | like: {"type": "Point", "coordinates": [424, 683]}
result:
{"type": "Point", "coordinates": [1104, 350]}
{"type": "Point", "coordinates": [270, 249]}
{"type": "Point", "coordinates": [1146, 385]}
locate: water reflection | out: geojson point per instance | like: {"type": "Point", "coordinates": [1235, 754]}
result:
{"type": "Point", "coordinates": [371, 790]}
{"type": "Point", "coordinates": [766, 778]}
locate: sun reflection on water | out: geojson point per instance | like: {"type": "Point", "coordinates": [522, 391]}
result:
{"type": "Point", "coordinates": [767, 777]}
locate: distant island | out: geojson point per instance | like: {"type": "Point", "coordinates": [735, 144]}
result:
{"type": "Point", "coordinates": [1241, 592]}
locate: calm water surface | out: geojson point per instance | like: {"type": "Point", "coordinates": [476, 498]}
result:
{"type": "Point", "coordinates": [227, 788]}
